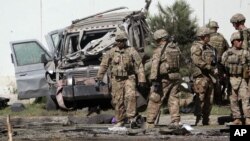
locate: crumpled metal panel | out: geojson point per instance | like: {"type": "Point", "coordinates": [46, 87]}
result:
{"type": "Point", "coordinates": [32, 87]}
{"type": "Point", "coordinates": [99, 45]}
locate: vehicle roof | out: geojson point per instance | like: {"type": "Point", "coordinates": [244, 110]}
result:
{"type": "Point", "coordinates": [100, 21]}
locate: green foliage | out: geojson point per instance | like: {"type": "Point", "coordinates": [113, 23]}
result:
{"type": "Point", "coordinates": [220, 110]}
{"type": "Point", "coordinates": [177, 20]}
{"type": "Point", "coordinates": [38, 109]}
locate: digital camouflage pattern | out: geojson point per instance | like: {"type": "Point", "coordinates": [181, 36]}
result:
{"type": "Point", "coordinates": [220, 44]}
{"type": "Point", "coordinates": [125, 66]}
{"type": "Point", "coordinates": [218, 41]}
{"type": "Point", "coordinates": [238, 21]}
{"type": "Point", "coordinates": [245, 33]}
{"type": "Point", "coordinates": [236, 60]}
{"type": "Point", "coordinates": [158, 34]}
{"type": "Point", "coordinates": [213, 24]}
{"type": "Point", "coordinates": [120, 35]}
{"type": "Point", "coordinates": [165, 70]}
{"type": "Point", "coordinates": [238, 17]}
{"type": "Point", "coordinates": [203, 31]}
{"type": "Point", "coordinates": [202, 56]}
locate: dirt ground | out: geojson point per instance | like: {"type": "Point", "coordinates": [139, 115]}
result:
{"type": "Point", "coordinates": [72, 128]}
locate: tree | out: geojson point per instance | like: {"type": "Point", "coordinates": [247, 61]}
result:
{"type": "Point", "coordinates": [177, 20]}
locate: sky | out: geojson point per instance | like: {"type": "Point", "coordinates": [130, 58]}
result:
{"type": "Point", "coordinates": [21, 19]}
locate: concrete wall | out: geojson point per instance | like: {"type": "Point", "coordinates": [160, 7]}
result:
{"type": "Point", "coordinates": [8, 89]}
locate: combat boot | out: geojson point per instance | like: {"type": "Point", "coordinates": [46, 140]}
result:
{"type": "Point", "coordinates": [132, 123]}
{"type": "Point", "coordinates": [236, 121]}
{"type": "Point", "coordinates": [247, 122]}
{"type": "Point", "coordinates": [205, 121]}
{"type": "Point", "coordinates": [197, 120]}
{"type": "Point", "coordinates": [149, 125]}
{"type": "Point", "coordinates": [174, 125]}
{"type": "Point", "coordinates": [119, 124]}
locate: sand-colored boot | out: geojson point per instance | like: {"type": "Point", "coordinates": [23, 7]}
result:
{"type": "Point", "coordinates": [149, 125]}
{"type": "Point", "coordinates": [236, 121]}
{"type": "Point", "coordinates": [119, 124]}
{"type": "Point", "coordinates": [247, 122]}
{"type": "Point", "coordinates": [175, 125]}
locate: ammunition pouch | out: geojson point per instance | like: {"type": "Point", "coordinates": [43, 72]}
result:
{"type": "Point", "coordinates": [164, 68]}
{"type": "Point", "coordinates": [118, 71]}
{"type": "Point", "coordinates": [174, 76]}
{"type": "Point", "coordinates": [235, 69]}
{"type": "Point", "coordinates": [245, 72]}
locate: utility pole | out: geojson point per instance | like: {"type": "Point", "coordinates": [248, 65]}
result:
{"type": "Point", "coordinates": [41, 19]}
{"type": "Point", "coordinates": [203, 12]}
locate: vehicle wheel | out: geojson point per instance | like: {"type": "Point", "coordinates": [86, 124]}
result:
{"type": "Point", "coordinates": [51, 103]}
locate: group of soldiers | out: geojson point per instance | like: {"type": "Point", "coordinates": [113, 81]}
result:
{"type": "Point", "coordinates": [209, 50]}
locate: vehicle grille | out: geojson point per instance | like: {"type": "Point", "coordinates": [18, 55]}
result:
{"type": "Point", "coordinates": [85, 73]}
{"type": "Point", "coordinates": [93, 73]}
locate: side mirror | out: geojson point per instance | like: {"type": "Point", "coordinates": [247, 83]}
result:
{"type": "Point", "coordinates": [43, 58]}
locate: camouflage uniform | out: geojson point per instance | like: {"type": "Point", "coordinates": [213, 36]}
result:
{"type": "Point", "coordinates": [202, 56]}
{"type": "Point", "coordinates": [238, 21]}
{"type": "Point", "coordinates": [237, 61]}
{"type": "Point", "coordinates": [125, 66]}
{"type": "Point", "coordinates": [218, 41]}
{"type": "Point", "coordinates": [165, 71]}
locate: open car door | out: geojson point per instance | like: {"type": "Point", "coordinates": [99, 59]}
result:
{"type": "Point", "coordinates": [29, 68]}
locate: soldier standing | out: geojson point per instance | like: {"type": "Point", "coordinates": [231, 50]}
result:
{"type": "Point", "coordinates": [218, 41]}
{"type": "Point", "coordinates": [125, 66]}
{"type": "Point", "coordinates": [237, 61]}
{"type": "Point", "coordinates": [202, 55]}
{"type": "Point", "coordinates": [238, 21]}
{"type": "Point", "coordinates": [164, 77]}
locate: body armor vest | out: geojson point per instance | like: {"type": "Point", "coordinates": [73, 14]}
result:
{"type": "Point", "coordinates": [121, 64]}
{"type": "Point", "coordinates": [170, 60]}
{"type": "Point", "coordinates": [246, 38]}
{"type": "Point", "coordinates": [208, 54]}
{"type": "Point", "coordinates": [217, 41]}
{"type": "Point", "coordinates": [235, 62]}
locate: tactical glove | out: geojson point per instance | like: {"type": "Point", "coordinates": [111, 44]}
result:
{"type": "Point", "coordinates": [98, 84]}
{"type": "Point", "coordinates": [141, 84]}
{"type": "Point", "coordinates": [155, 86]}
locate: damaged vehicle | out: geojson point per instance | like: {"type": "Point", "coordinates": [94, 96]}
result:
{"type": "Point", "coordinates": [65, 73]}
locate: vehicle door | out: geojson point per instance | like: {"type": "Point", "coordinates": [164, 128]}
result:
{"type": "Point", "coordinates": [29, 68]}
{"type": "Point", "coordinates": [54, 39]}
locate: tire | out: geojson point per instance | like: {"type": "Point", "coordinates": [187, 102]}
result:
{"type": "Point", "coordinates": [51, 104]}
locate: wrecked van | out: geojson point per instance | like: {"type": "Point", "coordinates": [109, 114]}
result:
{"type": "Point", "coordinates": [65, 72]}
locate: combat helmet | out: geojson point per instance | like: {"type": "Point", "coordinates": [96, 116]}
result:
{"type": "Point", "coordinates": [213, 24]}
{"type": "Point", "coordinates": [202, 31]}
{"type": "Point", "coordinates": [237, 18]}
{"type": "Point", "coordinates": [161, 33]}
{"type": "Point", "coordinates": [235, 36]}
{"type": "Point", "coordinates": [120, 35]}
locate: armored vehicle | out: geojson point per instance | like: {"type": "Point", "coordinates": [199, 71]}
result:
{"type": "Point", "coordinates": [65, 72]}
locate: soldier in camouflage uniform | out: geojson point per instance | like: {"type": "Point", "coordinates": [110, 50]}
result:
{"type": "Point", "coordinates": [238, 21]}
{"type": "Point", "coordinates": [218, 41]}
{"type": "Point", "coordinates": [125, 66]}
{"type": "Point", "coordinates": [164, 77]}
{"type": "Point", "coordinates": [203, 55]}
{"type": "Point", "coordinates": [237, 61]}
